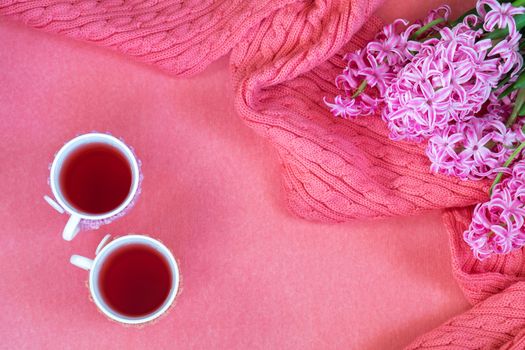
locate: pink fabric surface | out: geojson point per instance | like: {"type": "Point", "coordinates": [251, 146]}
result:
{"type": "Point", "coordinates": [283, 63]}
{"type": "Point", "coordinates": [253, 275]}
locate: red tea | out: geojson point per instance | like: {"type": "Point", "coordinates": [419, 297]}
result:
{"type": "Point", "coordinates": [135, 280]}
{"type": "Point", "coordinates": [95, 178]}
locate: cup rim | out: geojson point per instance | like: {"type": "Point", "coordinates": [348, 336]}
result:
{"type": "Point", "coordinates": [54, 173]}
{"type": "Point", "coordinates": [114, 244]}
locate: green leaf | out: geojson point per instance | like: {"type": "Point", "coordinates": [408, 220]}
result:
{"type": "Point", "coordinates": [503, 82]}
{"type": "Point", "coordinates": [518, 105]}
{"type": "Point", "coordinates": [360, 88]}
{"type": "Point", "coordinates": [520, 83]}
{"type": "Point", "coordinates": [506, 92]}
{"type": "Point", "coordinates": [426, 27]}
{"type": "Point", "coordinates": [522, 111]}
{"type": "Point", "coordinates": [514, 154]}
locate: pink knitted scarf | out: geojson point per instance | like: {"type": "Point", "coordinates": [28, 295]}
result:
{"type": "Point", "coordinates": [284, 58]}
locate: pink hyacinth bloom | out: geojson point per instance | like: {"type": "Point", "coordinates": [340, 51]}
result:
{"type": "Point", "coordinates": [370, 105]}
{"type": "Point", "coordinates": [421, 88]}
{"type": "Point", "coordinates": [508, 50]}
{"type": "Point", "coordinates": [430, 101]}
{"type": "Point", "coordinates": [509, 205]}
{"type": "Point", "coordinates": [442, 152]}
{"type": "Point", "coordinates": [377, 75]}
{"type": "Point", "coordinates": [497, 226]}
{"type": "Point", "coordinates": [475, 149]}
{"type": "Point", "coordinates": [503, 237]}
{"type": "Point", "coordinates": [442, 11]}
{"type": "Point", "coordinates": [478, 134]}
{"type": "Point", "coordinates": [389, 46]}
{"type": "Point", "coordinates": [343, 107]}
{"type": "Point", "coordinates": [461, 68]}
{"type": "Point", "coordinates": [377, 64]}
{"type": "Point", "coordinates": [500, 15]}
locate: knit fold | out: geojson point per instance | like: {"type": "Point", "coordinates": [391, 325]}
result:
{"type": "Point", "coordinates": [496, 288]}
{"type": "Point", "coordinates": [479, 279]}
{"type": "Point", "coordinates": [334, 170]}
{"type": "Point", "coordinates": [498, 322]}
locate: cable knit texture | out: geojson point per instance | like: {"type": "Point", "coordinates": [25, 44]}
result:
{"type": "Point", "coordinates": [496, 323]}
{"type": "Point", "coordinates": [480, 279]}
{"type": "Point", "coordinates": [284, 58]}
{"type": "Point", "coordinates": [495, 286]}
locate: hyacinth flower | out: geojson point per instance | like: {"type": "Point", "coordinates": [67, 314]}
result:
{"type": "Point", "coordinates": [498, 226]}
{"type": "Point", "coordinates": [459, 87]}
{"type": "Point", "coordinates": [370, 71]}
{"type": "Point", "coordinates": [462, 68]}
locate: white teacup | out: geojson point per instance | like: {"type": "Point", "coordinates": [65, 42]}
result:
{"type": "Point", "coordinates": [62, 205]}
{"type": "Point", "coordinates": [96, 265]}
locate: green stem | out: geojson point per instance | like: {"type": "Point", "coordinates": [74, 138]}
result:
{"type": "Point", "coordinates": [360, 88]}
{"type": "Point", "coordinates": [520, 100]}
{"type": "Point", "coordinates": [426, 27]}
{"type": "Point", "coordinates": [506, 165]}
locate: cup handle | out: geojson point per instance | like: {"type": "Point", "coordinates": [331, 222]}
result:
{"type": "Point", "coordinates": [72, 228]}
{"type": "Point", "coordinates": [54, 204]}
{"type": "Point", "coordinates": [82, 262]}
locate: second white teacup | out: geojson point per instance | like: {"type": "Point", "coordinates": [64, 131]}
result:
{"type": "Point", "coordinates": [134, 279]}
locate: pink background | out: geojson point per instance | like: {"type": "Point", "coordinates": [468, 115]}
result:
{"type": "Point", "coordinates": [253, 275]}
